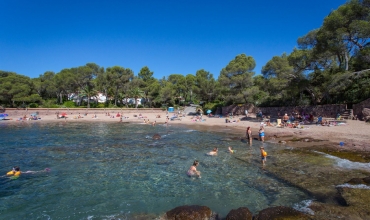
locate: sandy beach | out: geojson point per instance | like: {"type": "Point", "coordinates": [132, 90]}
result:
{"type": "Point", "coordinates": [354, 134]}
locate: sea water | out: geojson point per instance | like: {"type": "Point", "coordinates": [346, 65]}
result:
{"type": "Point", "coordinates": [116, 170]}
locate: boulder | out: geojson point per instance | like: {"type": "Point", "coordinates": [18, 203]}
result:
{"type": "Point", "coordinates": [281, 212]}
{"type": "Point", "coordinates": [241, 213]}
{"type": "Point", "coordinates": [356, 197]}
{"type": "Point", "coordinates": [356, 181]}
{"type": "Point", "coordinates": [156, 137]}
{"type": "Point", "coordinates": [366, 112]}
{"type": "Point", "coordinates": [193, 212]}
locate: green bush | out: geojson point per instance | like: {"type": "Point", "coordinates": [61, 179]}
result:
{"type": "Point", "coordinates": [33, 105]}
{"type": "Point", "coordinates": [69, 104]}
{"type": "Point", "coordinates": [140, 106]}
{"type": "Point", "coordinates": [50, 103]}
{"type": "Point", "coordinates": [212, 106]}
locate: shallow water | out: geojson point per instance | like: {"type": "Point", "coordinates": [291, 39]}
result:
{"type": "Point", "coordinates": [114, 169]}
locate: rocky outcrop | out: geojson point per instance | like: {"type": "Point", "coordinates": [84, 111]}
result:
{"type": "Point", "coordinates": [356, 181]}
{"type": "Point", "coordinates": [241, 213]}
{"type": "Point", "coordinates": [356, 192]}
{"type": "Point", "coordinates": [281, 212]}
{"type": "Point", "coordinates": [356, 197]}
{"type": "Point", "coordinates": [193, 212]}
{"type": "Point", "coordinates": [366, 114]}
{"type": "Point", "coordinates": [156, 137]}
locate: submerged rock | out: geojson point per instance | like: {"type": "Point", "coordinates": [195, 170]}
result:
{"type": "Point", "coordinates": [355, 181]}
{"type": "Point", "coordinates": [356, 198]}
{"type": "Point", "coordinates": [193, 212]}
{"type": "Point", "coordinates": [281, 212]}
{"type": "Point", "coordinates": [241, 213]}
{"type": "Point", "coordinates": [156, 137]}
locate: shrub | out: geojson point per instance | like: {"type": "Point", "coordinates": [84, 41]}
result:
{"type": "Point", "coordinates": [33, 105]}
{"type": "Point", "coordinates": [69, 104]}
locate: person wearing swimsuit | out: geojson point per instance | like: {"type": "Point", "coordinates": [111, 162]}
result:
{"type": "Point", "coordinates": [193, 170]}
{"type": "Point", "coordinates": [262, 134]}
{"type": "Point", "coordinates": [249, 134]}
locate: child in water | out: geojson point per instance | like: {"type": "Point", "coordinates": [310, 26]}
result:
{"type": "Point", "coordinates": [230, 150]}
{"type": "Point", "coordinates": [193, 170]}
{"type": "Point", "coordinates": [263, 155]}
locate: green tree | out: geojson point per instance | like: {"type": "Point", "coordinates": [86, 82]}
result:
{"type": "Point", "coordinates": [117, 78]}
{"type": "Point", "coordinates": [236, 77]}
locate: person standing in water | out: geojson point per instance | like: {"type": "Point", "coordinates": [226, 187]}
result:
{"type": "Point", "coordinates": [263, 155]}
{"type": "Point", "coordinates": [248, 134]}
{"type": "Point", "coordinates": [262, 134]}
{"type": "Point", "coordinates": [193, 170]}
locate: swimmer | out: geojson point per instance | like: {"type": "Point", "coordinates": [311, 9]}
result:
{"type": "Point", "coordinates": [193, 170]}
{"type": "Point", "coordinates": [263, 155]}
{"type": "Point", "coordinates": [231, 150]}
{"type": "Point", "coordinates": [213, 152]}
{"type": "Point", "coordinates": [16, 171]}
{"type": "Point", "coordinates": [154, 123]}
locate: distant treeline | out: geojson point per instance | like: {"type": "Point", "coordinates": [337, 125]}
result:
{"type": "Point", "coordinates": [330, 65]}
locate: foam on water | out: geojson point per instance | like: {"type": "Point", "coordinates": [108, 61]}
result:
{"type": "Point", "coordinates": [344, 163]}
{"type": "Point", "coordinates": [304, 207]}
{"type": "Point", "coordinates": [358, 186]}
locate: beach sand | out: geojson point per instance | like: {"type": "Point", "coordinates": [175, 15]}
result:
{"type": "Point", "coordinates": [354, 134]}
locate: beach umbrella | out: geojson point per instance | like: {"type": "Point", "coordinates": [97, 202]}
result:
{"type": "Point", "coordinates": [34, 114]}
{"type": "Point", "coordinates": [209, 111]}
{"type": "Point", "coordinates": [63, 114]}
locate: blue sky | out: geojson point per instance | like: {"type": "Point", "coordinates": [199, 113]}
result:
{"type": "Point", "coordinates": [170, 37]}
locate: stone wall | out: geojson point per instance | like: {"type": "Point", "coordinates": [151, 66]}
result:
{"type": "Point", "coordinates": [357, 108]}
{"type": "Point", "coordinates": [327, 111]}
{"type": "Point", "coordinates": [76, 111]}
{"type": "Point", "coordinates": [236, 109]}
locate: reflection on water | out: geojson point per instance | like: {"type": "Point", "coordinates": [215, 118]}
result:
{"type": "Point", "coordinates": [105, 169]}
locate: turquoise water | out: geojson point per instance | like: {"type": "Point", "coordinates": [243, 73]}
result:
{"type": "Point", "coordinates": [115, 170]}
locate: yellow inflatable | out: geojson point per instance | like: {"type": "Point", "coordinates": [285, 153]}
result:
{"type": "Point", "coordinates": [13, 173]}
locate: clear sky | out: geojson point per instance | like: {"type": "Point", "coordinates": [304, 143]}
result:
{"type": "Point", "coordinates": [170, 37]}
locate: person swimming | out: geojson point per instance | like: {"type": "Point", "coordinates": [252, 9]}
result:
{"type": "Point", "coordinates": [16, 171]}
{"type": "Point", "coordinates": [193, 170]}
{"type": "Point", "coordinates": [231, 150]}
{"type": "Point", "coordinates": [213, 152]}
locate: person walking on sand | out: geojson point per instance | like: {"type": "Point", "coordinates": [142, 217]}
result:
{"type": "Point", "coordinates": [248, 134]}
{"type": "Point", "coordinates": [263, 155]}
{"type": "Point", "coordinates": [261, 133]}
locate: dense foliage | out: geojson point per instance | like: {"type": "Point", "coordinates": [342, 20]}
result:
{"type": "Point", "coordinates": [329, 65]}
